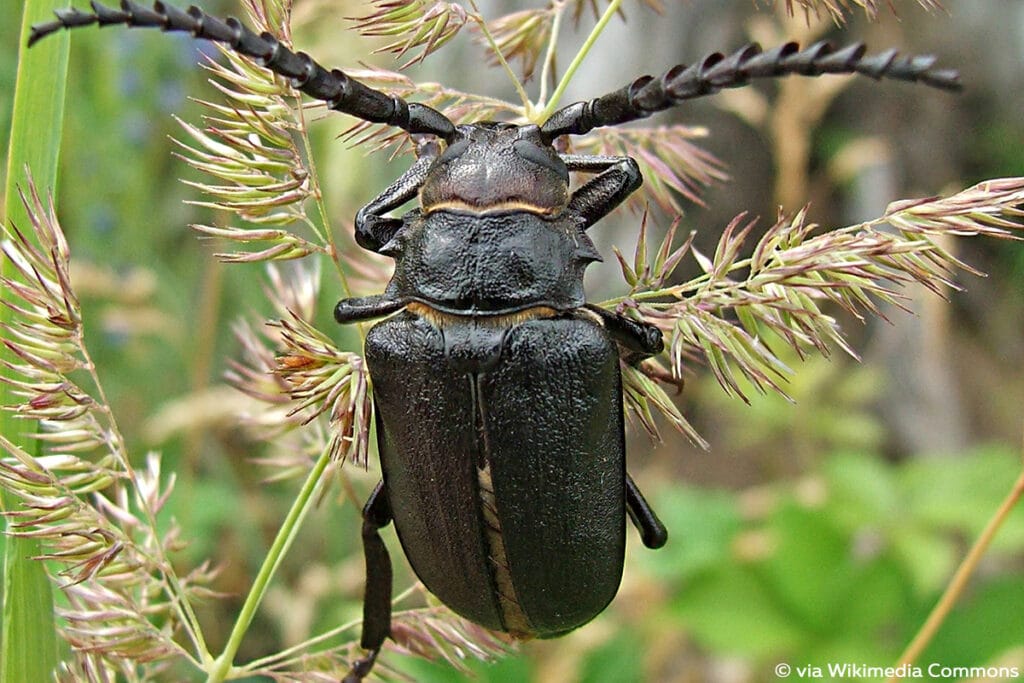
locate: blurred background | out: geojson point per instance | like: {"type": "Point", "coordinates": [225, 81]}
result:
{"type": "Point", "coordinates": [815, 531]}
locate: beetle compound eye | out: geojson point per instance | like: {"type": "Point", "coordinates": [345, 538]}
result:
{"type": "Point", "coordinates": [531, 152]}
{"type": "Point", "coordinates": [454, 151]}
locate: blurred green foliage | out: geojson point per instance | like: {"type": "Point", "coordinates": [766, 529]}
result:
{"type": "Point", "coordinates": [842, 565]}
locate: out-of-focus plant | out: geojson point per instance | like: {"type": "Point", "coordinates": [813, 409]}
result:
{"type": "Point", "coordinates": [840, 566]}
{"type": "Point", "coordinates": [95, 513]}
{"type": "Point", "coordinates": [130, 610]}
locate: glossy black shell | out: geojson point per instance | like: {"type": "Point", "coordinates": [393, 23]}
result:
{"type": "Point", "coordinates": [498, 397]}
{"type": "Point", "coordinates": [539, 403]}
{"type": "Point", "coordinates": [500, 263]}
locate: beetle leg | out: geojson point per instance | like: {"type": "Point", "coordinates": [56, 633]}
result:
{"type": "Point", "coordinates": [652, 531]}
{"type": "Point", "coordinates": [619, 177]}
{"type": "Point", "coordinates": [637, 342]}
{"type": "Point", "coordinates": [377, 599]}
{"type": "Point", "coordinates": [357, 309]}
{"type": "Point", "coordinates": [641, 340]}
{"type": "Point", "coordinates": [373, 229]}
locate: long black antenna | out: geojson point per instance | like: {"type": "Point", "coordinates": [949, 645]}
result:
{"type": "Point", "coordinates": [332, 86]}
{"type": "Point", "coordinates": [647, 94]}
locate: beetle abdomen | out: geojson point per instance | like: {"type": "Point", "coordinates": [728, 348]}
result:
{"type": "Point", "coordinates": [534, 409]}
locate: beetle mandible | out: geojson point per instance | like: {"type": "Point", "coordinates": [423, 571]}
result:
{"type": "Point", "coordinates": [497, 387]}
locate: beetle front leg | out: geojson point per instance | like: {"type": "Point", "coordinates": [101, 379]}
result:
{"type": "Point", "coordinates": [373, 228]}
{"type": "Point", "coordinates": [358, 309]}
{"type": "Point", "coordinates": [377, 598]}
{"type": "Point", "coordinates": [619, 177]}
{"type": "Point", "coordinates": [637, 341]}
{"type": "Point", "coordinates": [641, 340]}
{"type": "Point", "coordinates": [652, 532]}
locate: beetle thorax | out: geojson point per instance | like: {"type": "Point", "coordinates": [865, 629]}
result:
{"type": "Point", "coordinates": [497, 168]}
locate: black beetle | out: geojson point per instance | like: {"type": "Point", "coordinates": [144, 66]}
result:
{"type": "Point", "coordinates": [497, 386]}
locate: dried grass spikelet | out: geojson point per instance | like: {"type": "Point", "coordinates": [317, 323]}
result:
{"type": "Point", "coordinates": [323, 380]}
{"type": "Point", "coordinates": [300, 376]}
{"type": "Point", "coordinates": [522, 36]}
{"type": "Point", "coordinates": [837, 10]}
{"type": "Point", "coordinates": [252, 148]}
{"type": "Point", "coordinates": [729, 316]}
{"type": "Point", "coordinates": [425, 24]}
{"type": "Point", "coordinates": [94, 514]}
{"type": "Point", "coordinates": [669, 161]}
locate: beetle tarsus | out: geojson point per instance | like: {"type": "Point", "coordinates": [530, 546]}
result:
{"type": "Point", "coordinates": [640, 339]}
{"type": "Point", "coordinates": [361, 668]}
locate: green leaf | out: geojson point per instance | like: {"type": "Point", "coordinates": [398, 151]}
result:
{"type": "Point", "coordinates": [29, 648]}
{"type": "Point", "coordinates": [930, 558]}
{"type": "Point", "coordinates": [30, 640]}
{"type": "Point", "coordinates": [875, 606]}
{"type": "Point", "coordinates": [734, 612]}
{"type": "Point", "coordinates": [862, 491]}
{"type": "Point", "coordinates": [809, 569]}
{"type": "Point", "coordinates": [38, 113]}
{"type": "Point", "coordinates": [961, 493]}
{"type": "Point", "coordinates": [982, 628]}
{"type": "Point", "coordinates": [621, 659]}
{"type": "Point", "coordinates": [703, 526]}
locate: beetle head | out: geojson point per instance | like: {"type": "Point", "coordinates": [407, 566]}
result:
{"type": "Point", "coordinates": [494, 168]}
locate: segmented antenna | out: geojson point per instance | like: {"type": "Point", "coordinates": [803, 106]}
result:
{"type": "Point", "coordinates": [332, 86]}
{"type": "Point", "coordinates": [647, 95]}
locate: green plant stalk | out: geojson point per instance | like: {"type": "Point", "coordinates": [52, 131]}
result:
{"type": "Point", "coordinates": [222, 668]}
{"type": "Point", "coordinates": [550, 53]}
{"type": "Point", "coordinates": [959, 581]}
{"type": "Point", "coordinates": [516, 83]}
{"type": "Point", "coordinates": [28, 651]}
{"type": "Point", "coordinates": [323, 227]}
{"type": "Point", "coordinates": [299, 650]}
{"type": "Point", "coordinates": [588, 44]}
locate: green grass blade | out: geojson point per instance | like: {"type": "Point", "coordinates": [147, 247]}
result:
{"type": "Point", "coordinates": [28, 650]}
{"type": "Point", "coordinates": [38, 113]}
